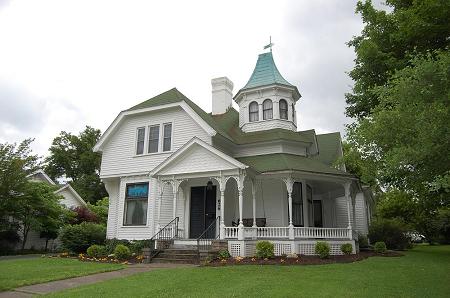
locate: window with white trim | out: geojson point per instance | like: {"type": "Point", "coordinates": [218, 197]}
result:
{"type": "Point", "coordinates": [140, 139]}
{"type": "Point", "coordinates": [167, 138]}
{"type": "Point", "coordinates": [267, 109]}
{"type": "Point", "coordinates": [253, 111]}
{"type": "Point", "coordinates": [136, 203]}
{"type": "Point", "coordinates": [283, 109]}
{"type": "Point", "coordinates": [153, 139]}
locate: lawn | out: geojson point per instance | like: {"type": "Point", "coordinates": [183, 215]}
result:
{"type": "Point", "coordinates": [423, 272]}
{"type": "Point", "coordinates": [20, 272]}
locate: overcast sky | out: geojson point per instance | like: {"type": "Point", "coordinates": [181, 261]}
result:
{"type": "Point", "coordinates": [68, 64]}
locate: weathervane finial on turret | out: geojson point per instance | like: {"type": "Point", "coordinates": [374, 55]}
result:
{"type": "Point", "coordinates": [270, 45]}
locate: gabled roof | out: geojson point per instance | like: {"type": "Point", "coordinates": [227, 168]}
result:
{"type": "Point", "coordinates": [73, 191]}
{"type": "Point", "coordinates": [186, 147]}
{"type": "Point", "coordinates": [329, 148]}
{"type": "Point", "coordinates": [43, 175]}
{"type": "Point", "coordinates": [277, 162]}
{"type": "Point", "coordinates": [265, 73]}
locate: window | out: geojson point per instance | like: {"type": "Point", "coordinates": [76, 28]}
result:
{"type": "Point", "coordinates": [283, 109]}
{"type": "Point", "coordinates": [293, 112]}
{"type": "Point", "coordinates": [297, 205]}
{"type": "Point", "coordinates": [253, 111]}
{"type": "Point", "coordinates": [153, 139]}
{"type": "Point", "coordinates": [136, 201]}
{"type": "Point", "coordinates": [167, 137]}
{"type": "Point", "coordinates": [267, 109]}
{"type": "Point", "coordinates": [140, 140]}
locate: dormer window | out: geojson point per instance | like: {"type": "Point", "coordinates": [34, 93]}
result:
{"type": "Point", "coordinates": [283, 109]}
{"type": "Point", "coordinates": [253, 111]}
{"type": "Point", "coordinates": [267, 109]}
{"type": "Point", "coordinates": [153, 139]}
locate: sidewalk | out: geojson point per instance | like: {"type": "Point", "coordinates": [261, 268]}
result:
{"type": "Point", "coordinates": [59, 285]}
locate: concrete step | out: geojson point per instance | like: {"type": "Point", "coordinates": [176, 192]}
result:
{"type": "Point", "coordinates": [174, 260]}
{"type": "Point", "coordinates": [177, 256]}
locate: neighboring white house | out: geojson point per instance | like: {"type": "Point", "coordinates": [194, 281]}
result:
{"type": "Point", "coordinates": [71, 199]}
{"type": "Point", "coordinates": [250, 171]}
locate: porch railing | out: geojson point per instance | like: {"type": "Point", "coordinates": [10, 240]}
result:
{"type": "Point", "coordinates": [164, 237]}
{"type": "Point", "coordinates": [321, 233]}
{"type": "Point", "coordinates": [231, 232]}
{"type": "Point", "coordinates": [283, 233]}
{"type": "Point", "coordinates": [204, 241]}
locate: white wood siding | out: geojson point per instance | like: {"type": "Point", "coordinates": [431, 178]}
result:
{"type": "Point", "coordinates": [119, 157]}
{"type": "Point", "coordinates": [340, 205]}
{"type": "Point", "coordinates": [69, 199]}
{"type": "Point", "coordinates": [361, 214]}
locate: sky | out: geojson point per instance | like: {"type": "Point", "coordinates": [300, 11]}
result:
{"type": "Point", "coordinates": [68, 64]}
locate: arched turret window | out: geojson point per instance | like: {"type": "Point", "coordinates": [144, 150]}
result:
{"type": "Point", "coordinates": [293, 112]}
{"type": "Point", "coordinates": [267, 109]}
{"type": "Point", "coordinates": [253, 111]}
{"type": "Point", "coordinates": [283, 109]}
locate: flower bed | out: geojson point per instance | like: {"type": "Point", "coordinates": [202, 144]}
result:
{"type": "Point", "coordinates": [135, 259]}
{"type": "Point", "coordinates": [300, 260]}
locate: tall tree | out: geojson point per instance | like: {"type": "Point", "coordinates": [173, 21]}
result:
{"type": "Point", "coordinates": [16, 162]}
{"type": "Point", "coordinates": [388, 41]}
{"type": "Point", "coordinates": [71, 157]}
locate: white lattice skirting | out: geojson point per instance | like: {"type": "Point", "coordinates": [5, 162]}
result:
{"type": "Point", "coordinates": [247, 248]}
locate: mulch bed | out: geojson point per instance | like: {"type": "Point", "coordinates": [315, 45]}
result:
{"type": "Point", "coordinates": [302, 260]}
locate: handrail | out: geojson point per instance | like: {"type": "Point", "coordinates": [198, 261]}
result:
{"type": "Point", "coordinates": [203, 241]}
{"type": "Point", "coordinates": [168, 232]}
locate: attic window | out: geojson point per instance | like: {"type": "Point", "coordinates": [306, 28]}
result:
{"type": "Point", "coordinates": [253, 112]}
{"type": "Point", "coordinates": [140, 136]}
{"type": "Point", "coordinates": [283, 109]}
{"type": "Point", "coordinates": [267, 109]}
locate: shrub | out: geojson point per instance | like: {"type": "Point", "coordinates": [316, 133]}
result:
{"type": "Point", "coordinates": [83, 214]}
{"type": "Point", "coordinates": [96, 251]}
{"type": "Point", "coordinates": [379, 247]}
{"type": "Point", "coordinates": [111, 244]}
{"type": "Point", "coordinates": [77, 238]}
{"type": "Point", "coordinates": [347, 248]}
{"type": "Point", "coordinates": [322, 249]}
{"type": "Point", "coordinates": [122, 252]}
{"type": "Point", "coordinates": [393, 232]}
{"type": "Point", "coordinates": [224, 254]}
{"type": "Point", "coordinates": [264, 249]}
{"type": "Point", "coordinates": [137, 245]}
{"type": "Point", "coordinates": [363, 242]}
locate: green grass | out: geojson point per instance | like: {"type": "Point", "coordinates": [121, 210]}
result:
{"type": "Point", "coordinates": [21, 272]}
{"type": "Point", "coordinates": [423, 272]}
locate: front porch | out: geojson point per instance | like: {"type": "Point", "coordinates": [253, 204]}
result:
{"type": "Point", "coordinates": [232, 202]}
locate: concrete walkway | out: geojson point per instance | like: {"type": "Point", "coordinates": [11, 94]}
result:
{"type": "Point", "coordinates": [64, 284]}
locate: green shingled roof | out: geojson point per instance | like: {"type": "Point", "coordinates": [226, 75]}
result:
{"type": "Point", "coordinates": [227, 124]}
{"type": "Point", "coordinates": [265, 73]}
{"type": "Point", "coordinates": [329, 148]}
{"type": "Point", "coordinates": [288, 162]}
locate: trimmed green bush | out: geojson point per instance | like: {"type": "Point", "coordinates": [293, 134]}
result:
{"type": "Point", "coordinates": [111, 244]}
{"type": "Point", "coordinates": [347, 248]}
{"type": "Point", "coordinates": [322, 249]}
{"type": "Point", "coordinates": [224, 254]}
{"type": "Point", "coordinates": [379, 247]}
{"type": "Point", "coordinates": [393, 232]}
{"type": "Point", "coordinates": [122, 252]}
{"type": "Point", "coordinates": [265, 249]}
{"type": "Point", "coordinates": [136, 246]}
{"type": "Point", "coordinates": [77, 238]}
{"type": "Point", "coordinates": [96, 251]}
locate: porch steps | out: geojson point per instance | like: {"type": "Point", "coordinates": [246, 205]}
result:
{"type": "Point", "coordinates": [177, 255]}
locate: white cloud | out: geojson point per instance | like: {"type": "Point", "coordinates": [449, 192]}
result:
{"type": "Point", "coordinates": [81, 62]}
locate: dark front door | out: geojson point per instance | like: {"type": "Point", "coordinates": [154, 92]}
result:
{"type": "Point", "coordinates": [203, 209]}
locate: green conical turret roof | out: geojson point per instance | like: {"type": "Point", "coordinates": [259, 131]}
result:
{"type": "Point", "coordinates": [265, 73]}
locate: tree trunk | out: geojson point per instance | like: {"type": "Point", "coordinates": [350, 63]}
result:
{"type": "Point", "coordinates": [46, 243]}
{"type": "Point", "coordinates": [25, 235]}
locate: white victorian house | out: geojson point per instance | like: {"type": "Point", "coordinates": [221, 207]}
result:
{"type": "Point", "coordinates": [172, 169]}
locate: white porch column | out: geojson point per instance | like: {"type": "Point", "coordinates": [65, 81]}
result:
{"type": "Point", "coordinates": [240, 184]}
{"type": "Point", "coordinates": [161, 191]}
{"type": "Point", "coordinates": [175, 197]}
{"type": "Point", "coordinates": [289, 186]}
{"type": "Point", "coordinates": [305, 205]}
{"type": "Point", "coordinates": [347, 198]}
{"type": "Point", "coordinates": [254, 184]}
{"type": "Point", "coordinates": [353, 197]}
{"type": "Point", "coordinates": [222, 185]}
